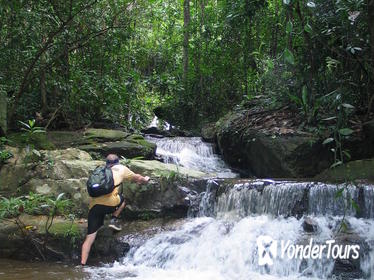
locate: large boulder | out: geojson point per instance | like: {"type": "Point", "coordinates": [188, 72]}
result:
{"type": "Point", "coordinates": [266, 144]}
{"type": "Point", "coordinates": [105, 135]}
{"type": "Point", "coordinates": [269, 154]}
{"type": "Point", "coordinates": [66, 171]}
{"type": "Point", "coordinates": [129, 148]}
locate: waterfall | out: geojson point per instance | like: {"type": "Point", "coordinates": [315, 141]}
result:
{"type": "Point", "coordinates": [220, 239]}
{"type": "Point", "coordinates": [279, 198]}
{"type": "Point", "coordinates": [193, 153]}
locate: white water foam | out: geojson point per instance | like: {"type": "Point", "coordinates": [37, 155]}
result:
{"type": "Point", "coordinates": [208, 248]}
{"type": "Point", "coordinates": [193, 153]}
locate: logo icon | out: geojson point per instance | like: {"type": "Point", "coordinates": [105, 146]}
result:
{"type": "Point", "coordinates": [267, 250]}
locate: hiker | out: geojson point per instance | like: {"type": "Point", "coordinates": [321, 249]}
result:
{"type": "Point", "coordinates": [111, 203]}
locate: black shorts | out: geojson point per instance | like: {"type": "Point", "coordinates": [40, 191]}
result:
{"type": "Point", "coordinates": [97, 214]}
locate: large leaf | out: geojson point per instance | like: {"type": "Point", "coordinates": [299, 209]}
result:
{"type": "Point", "coordinates": [288, 57]}
{"type": "Point", "coordinates": [308, 28]}
{"type": "Point", "coordinates": [289, 27]}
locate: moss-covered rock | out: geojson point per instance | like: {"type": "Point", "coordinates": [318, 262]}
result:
{"type": "Point", "coordinates": [67, 139]}
{"type": "Point", "coordinates": [38, 141]}
{"type": "Point", "coordinates": [127, 149]}
{"type": "Point", "coordinates": [66, 171]}
{"type": "Point", "coordinates": [105, 135]}
{"type": "Point", "coordinates": [354, 170]}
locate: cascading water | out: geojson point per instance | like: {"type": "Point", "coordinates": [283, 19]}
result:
{"type": "Point", "coordinates": [224, 245]}
{"type": "Point", "coordinates": [193, 153]}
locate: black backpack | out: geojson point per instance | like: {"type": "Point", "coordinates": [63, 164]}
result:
{"type": "Point", "coordinates": [100, 181]}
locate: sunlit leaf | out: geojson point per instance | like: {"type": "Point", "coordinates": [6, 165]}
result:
{"type": "Point", "coordinates": [348, 106]}
{"type": "Point", "coordinates": [311, 4]}
{"type": "Point", "coordinates": [345, 131]}
{"type": "Point", "coordinates": [60, 196]}
{"type": "Point", "coordinates": [336, 164]}
{"type": "Point", "coordinates": [328, 140]}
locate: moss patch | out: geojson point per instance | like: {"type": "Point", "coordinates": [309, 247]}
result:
{"type": "Point", "coordinates": [39, 140]}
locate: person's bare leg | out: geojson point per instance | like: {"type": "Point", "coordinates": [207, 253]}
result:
{"type": "Point", "coordinates": [119, 210]}
{"type": "Point", "coordinates": [86, 247]}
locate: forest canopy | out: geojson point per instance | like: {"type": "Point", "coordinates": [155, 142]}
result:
{"type": "Point", "coordinates": [75, 62]}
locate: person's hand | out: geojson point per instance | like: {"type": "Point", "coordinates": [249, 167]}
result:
{"type": "Point", "coordinates": [146, 179]}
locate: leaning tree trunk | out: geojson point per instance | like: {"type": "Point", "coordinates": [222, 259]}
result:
{"type": "Point", "coordinates": [187, 18]}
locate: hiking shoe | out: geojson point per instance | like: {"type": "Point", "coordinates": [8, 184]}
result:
{"type": "Point", "coordinates": [114, 224]}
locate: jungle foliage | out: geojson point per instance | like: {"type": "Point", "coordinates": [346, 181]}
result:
{"type": "Point", "coordinates": [70, 63]}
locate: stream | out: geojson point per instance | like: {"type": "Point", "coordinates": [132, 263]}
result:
{"type": "Point", "coordinates": [219, 240]}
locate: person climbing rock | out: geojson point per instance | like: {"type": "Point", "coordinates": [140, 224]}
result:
{"type": "Point", "coordinates": [111, 203]}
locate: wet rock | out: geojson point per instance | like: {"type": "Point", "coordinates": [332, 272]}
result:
{"type": "Point", "coordinates": [156, 168]}
{"type": "Point", "coordinates": [310, 225]}
{"type": "Point", "coordinates": [127, 149]}
{"type": "Point", "coordinates": [156, 131]}
{"type": "Point", "coordinates": [350, 268]}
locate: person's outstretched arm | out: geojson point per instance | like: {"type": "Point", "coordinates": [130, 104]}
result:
{"type": "Point", "coordinates": [137, 178]}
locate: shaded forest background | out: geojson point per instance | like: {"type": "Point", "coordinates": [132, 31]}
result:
{"type": "Point", "coordinates": [71, 63]}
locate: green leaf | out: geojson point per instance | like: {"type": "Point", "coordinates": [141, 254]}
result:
{"type": "Point", "coordinates": [31, 123]}
{"type": "Point", "coordinates": [336, 164]}
{"type": "Point", "coordinates": [348, 106]}
{"type": "Point", "coordinates": [289, 27]}
{"type": "Point", "coordinates": [289, 57]}
{"type": "Point", "coordinates": [339, 193]}
{"type": "Point", "coordinates": [347, 154]}
{"type": "Point", "coordinates": [328, 140]}
{"type": "Point", "coordinates": [345, 131]}
{"type": "Point", "coordinates": [60, 196]}
{"type": "Point", "coordinates": [355, 205]}
{"type": "Point", "coordinates": [24, 124]}
{"type": "Point", "coordinates": [287, 2]}
{"type": "Point", "coordinates": [304, 95]}
{"type": "Point", "coordinates": [329, 119]}
{"type": "Point", "coordinates": [308, 28]}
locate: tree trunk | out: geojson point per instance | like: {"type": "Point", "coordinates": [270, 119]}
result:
{"type": "Point", "coordinates": [187, 18]}
{"type": "Point", "coordinates": [371, 28]}
{"type": "Point", "coordinates": [274, 44]}
{"type": "Point", "coordinates": [43, 91]}
{"type": "Point", "coordinates": [370, 7]}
